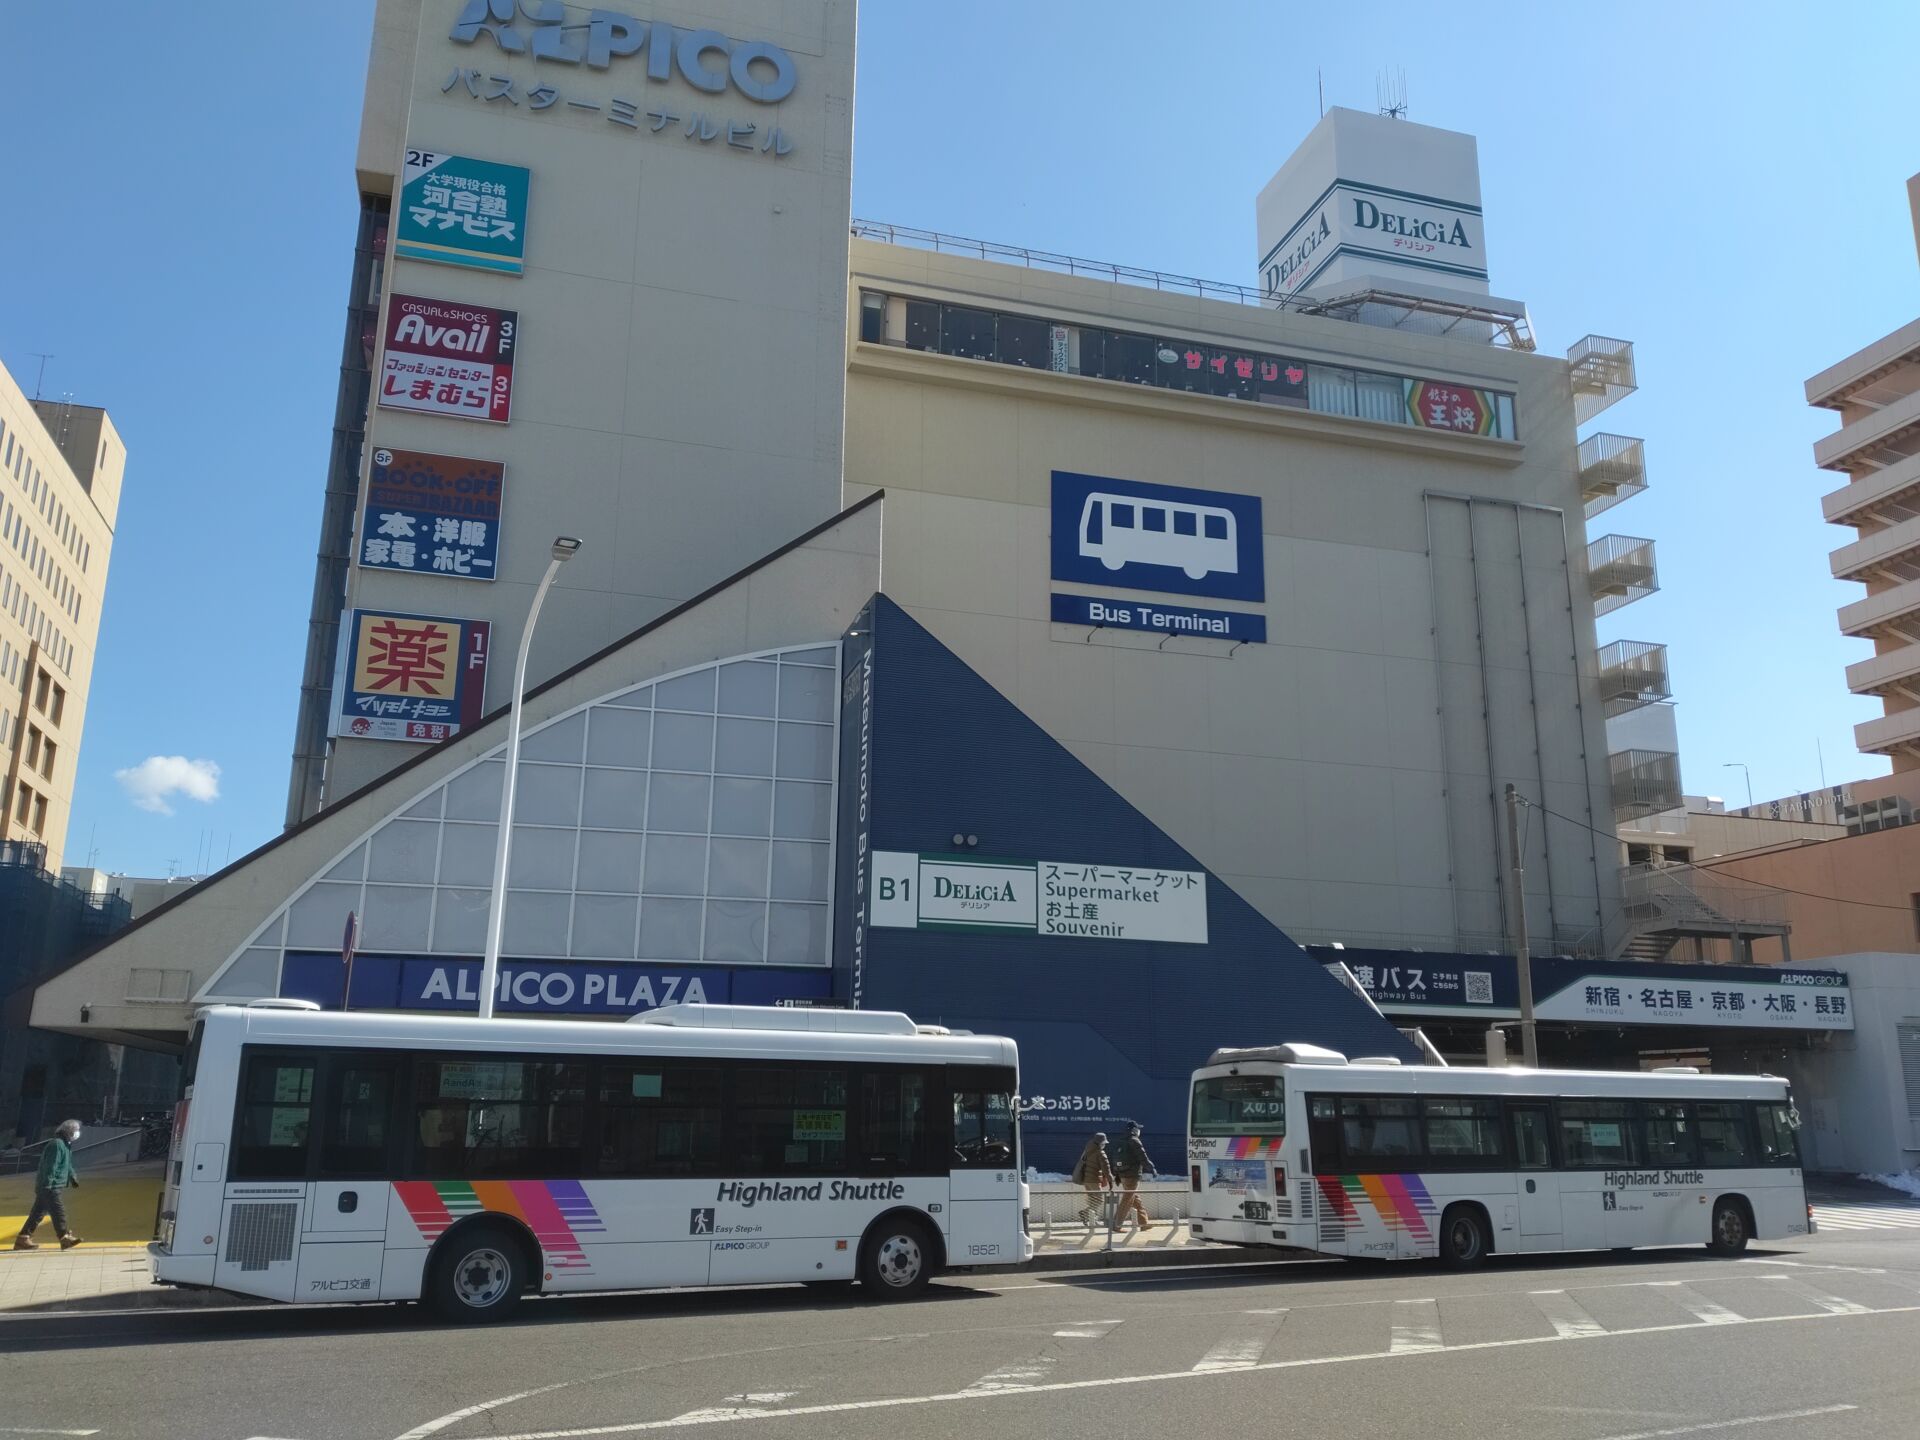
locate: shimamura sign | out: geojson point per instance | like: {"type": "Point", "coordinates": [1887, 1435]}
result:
{"type": "Point", "coordinates": [441, 358]}
{"type": "Point", "coordinates": [1045, 897]}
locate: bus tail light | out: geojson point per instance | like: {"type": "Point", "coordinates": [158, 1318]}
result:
{"type": "Point", "coordinates": [1280, 1180]}
{"type": "Point", "coordinates": [1196, 1179]}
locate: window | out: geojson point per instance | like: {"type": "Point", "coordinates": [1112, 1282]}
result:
{"type": "Point", "coordinates": [275, 1110]}
{"type": "Point", "coordinates": [873, 317]}
{"type": "Point", "coordinates": [42, 686]}
{"type": "Point", "coordinates": [1462, 1130]}
{"type": "Point", "coordinates": [1916, 917]}
{"type": "Point", "coordinates": [357, 1133]}
{"type": "Point", "coordinates": [1323, 1132]}
{"type": "Point", "coordinates": [479, 1117]}
{"type": "Point", "coordinates": [1185, 522]}
{"type": "Point", "coordinates": [983, 1132]}
{"type": "Point", "coordinates": [1668, 1134]}
{"type": "Point", "coordinates": [24, 805]}
{"type": "Point", "coordinates": [33, 744]}
{"type": "Point", "coordinates": [1240, 1105]}
{"type": "Point", "coordinates": [660, 1117]}
{"type": "Point", "coordinates": [1379, 1127]}
{"type": "Point", "coordinates": [966, 332]}
{"type": "Point", "coordinates": [1122, 517]}
{"type": "Point", "coordinates": [1216, 527]}
{"type": "Point", "coordinates": [790, 1119]}
{"type": "Point", "coordinates": [1152, 517]}
{"type": "Point", "coordinates": [1022, 340]}
{"type": "Point", "coordinates": [59, 707]}
{"type": "Point", "coordinates": [897, 1129]}
{"type": "Point", "coordinates": [47, 753]}
{"type": "Point", "coordinates": [923, 325]}
{"type": "Point", "coordinates": [1724, 1140]}
{"type": "Point", "coordinates": [1778, 1127]}
{"type": "Point", "coordinates": [1532, 1138]}
{"type": "Point", "coordinates": [1596, 1133]}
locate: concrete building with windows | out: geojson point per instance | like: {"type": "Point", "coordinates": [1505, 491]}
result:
{"type": "Point", "coordinates": [61, 467]}
{"type": "Point", "coordinates": [1036, 645]}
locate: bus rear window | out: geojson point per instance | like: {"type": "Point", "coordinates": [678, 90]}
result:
{"type": "Point", "coordinates": [1240, 1105]}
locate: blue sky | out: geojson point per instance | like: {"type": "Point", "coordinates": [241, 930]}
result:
{"type": "Point", "coordinates": [1721, 184]}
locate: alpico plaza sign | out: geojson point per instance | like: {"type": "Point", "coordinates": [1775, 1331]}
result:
{"type": "Point", "coordinates": [1064, 899]}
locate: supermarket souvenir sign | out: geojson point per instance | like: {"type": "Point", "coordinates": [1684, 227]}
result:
{"type": "Point", "coordinates": [443, 358]}
{"type": "Point", "coordinates": [1066, 899]}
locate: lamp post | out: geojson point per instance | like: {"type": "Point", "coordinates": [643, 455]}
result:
{"type": "Point", "coordinates": [1736, 765]}
{"type": "Point", "coordinates": [564, 548]}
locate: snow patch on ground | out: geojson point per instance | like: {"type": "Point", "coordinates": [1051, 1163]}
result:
{"type": "Point", "coordinates": [1906, 1181]}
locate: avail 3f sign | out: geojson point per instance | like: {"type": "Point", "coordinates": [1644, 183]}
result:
{"type": "Point", "coordinates": [1157, 537]}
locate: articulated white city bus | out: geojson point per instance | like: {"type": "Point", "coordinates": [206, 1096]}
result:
{"type": "Point", "coordinates": [322, 1156]}
{"type": "Point", "coordinates": [1292, 1145]}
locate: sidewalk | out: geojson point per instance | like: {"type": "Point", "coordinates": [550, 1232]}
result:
{"type": "Point", "coordinates": [114, 1205]}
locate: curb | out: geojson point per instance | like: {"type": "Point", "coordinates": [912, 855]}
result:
{"type": "Point", "coordinates": [1166, 1256]}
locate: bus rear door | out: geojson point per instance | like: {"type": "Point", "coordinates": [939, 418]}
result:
{"type": "Point", "coordinates": [1531, 1123]}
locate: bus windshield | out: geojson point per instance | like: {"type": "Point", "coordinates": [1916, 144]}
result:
{"type": "Point", "coordinates": [1240, 1105]}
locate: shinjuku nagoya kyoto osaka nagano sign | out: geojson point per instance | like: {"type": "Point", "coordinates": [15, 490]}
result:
{"type": "Point", "coordinates": [1045, 897]}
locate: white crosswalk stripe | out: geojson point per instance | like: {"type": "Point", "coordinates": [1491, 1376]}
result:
{"type": "Point", "coordinates": [1416, 1325]}
{"type": "Point", "coordinates": [1245, 1343]}
{"type": "Point", "coordinates": [1695, 1304]}
{"type": "Point", "coordinates": [1568, 1316]}
{"type": "Point", "coordinates": [1889, 1215]}
{"type": "Point", "coordinates": [1086, 1329]}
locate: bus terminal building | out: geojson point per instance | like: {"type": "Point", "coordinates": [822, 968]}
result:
{"type": "Point", "coordinates": [1054, 649]}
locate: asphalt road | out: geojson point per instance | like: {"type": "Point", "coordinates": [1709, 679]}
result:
{"type": "Point", "coordinates": [1811, 1340]}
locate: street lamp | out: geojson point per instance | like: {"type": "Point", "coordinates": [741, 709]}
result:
{"type": "Point", "coordinates": [564, 549]}
{"type": "Point", "coordinates": [1736, 765]}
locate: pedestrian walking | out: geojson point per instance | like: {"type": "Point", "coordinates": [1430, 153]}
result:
{"type": "Point", "coordinates": [1129, 1165]}
{"type": "Point", "coordinates": [1093, 1173]}
{"type": "Point", "coordinates": [54, 1177]}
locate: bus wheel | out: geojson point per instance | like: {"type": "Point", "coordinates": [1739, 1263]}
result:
{"type": "Point", "coordinates": [1463, 1238]}
{"type": "Point", "coordinates": [480, 1276]}
{"type": "Point", "coordinates": [1730, 1229]}
{"type": "Point", "coordinates": [896, 1262]}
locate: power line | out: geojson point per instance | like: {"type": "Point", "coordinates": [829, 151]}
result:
{"type": "Point", "coordinates": [1710, 864]}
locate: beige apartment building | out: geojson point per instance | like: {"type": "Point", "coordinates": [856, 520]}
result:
{"type": "Point", "coordinates": [1876, 393]}
{"type": "Point", "coordinates": [61, 466]}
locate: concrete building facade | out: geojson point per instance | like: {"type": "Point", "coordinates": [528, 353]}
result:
{"type": "Point", "coordinates": [61, 467]}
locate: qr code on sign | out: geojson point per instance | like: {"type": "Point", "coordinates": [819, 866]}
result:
{"type": "Point", "coordinates": [1479, 987]}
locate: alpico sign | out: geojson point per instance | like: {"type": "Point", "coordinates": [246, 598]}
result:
{"type": "Point", "coordinates": [705, 59]}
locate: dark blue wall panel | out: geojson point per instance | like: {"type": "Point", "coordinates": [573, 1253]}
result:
{"type": "Point", "coordinates": [1121, 1021]}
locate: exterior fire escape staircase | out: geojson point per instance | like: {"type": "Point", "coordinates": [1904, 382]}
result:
{"type": "Point", "coordinates": [1665, 904]}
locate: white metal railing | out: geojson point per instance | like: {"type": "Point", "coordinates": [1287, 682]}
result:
{"type": "Point", "coordinates": [1632, 673]}
{"type": "Point", "coordinates": [1620, 570]}
{"type": "Point", "coordinates": [1683, 897]}
{"type": "Point", "coordinates": [1644, 781]}
{"type": "Point", "coordinates": [1508, 330]}
{"type": "Point", "coordinates": [1612, 468]}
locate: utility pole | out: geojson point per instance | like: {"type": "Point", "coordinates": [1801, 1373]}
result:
{"type": "Point", "coordinates": [1529, 1040]}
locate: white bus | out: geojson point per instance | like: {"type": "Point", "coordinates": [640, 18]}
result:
{"type": "Point", "coordinates": [1292, 1145]}
{"type": "Point", "coordinates": [322, 1156]}
{"type": "Point", "coordinates": [1120, 530]}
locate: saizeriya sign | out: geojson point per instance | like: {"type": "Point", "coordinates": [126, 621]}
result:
{"type": "Point", "coordinates": [705, 59]}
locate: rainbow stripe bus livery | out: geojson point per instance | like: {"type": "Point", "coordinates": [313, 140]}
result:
{"type": "Point", "coordinates": [322, 1156]}
{"type": "Point", "coordinates": [1293, 1146]}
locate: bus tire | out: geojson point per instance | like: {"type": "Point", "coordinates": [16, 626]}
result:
{"type": "Point", "coordinates": [1463, 1237]}
{"type": "Point", "coordinates": [479, 1276]}
{"type": "Point", "coordinates": [897, 1259]}
{"type": "Point", "coordinates": [1732, 1226]}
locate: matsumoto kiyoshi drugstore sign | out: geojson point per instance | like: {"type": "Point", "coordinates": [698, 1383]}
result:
{"type": "Point", "coordinates": [1040, 897]}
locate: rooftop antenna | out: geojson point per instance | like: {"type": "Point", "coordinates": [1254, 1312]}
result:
{"type": "Point", "coordinates": [1320, 80]}
{"type": "Point", "coordinates": [1391, 88]}
{"type": "Point", "coordinates": [43, 357]}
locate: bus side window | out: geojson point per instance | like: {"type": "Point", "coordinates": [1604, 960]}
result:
{"type": "Point", "coordinates": [357, 1132]}
{"type": "Point", "coordinates": [1323, 1132]}
{"type": "Point", "coordinates": [896, 1122]}
{"type": "Point", "coordinates": [1779, 1144]}
{"type": "Point", "coordinates": [1725, 1140]}
{"type": "Point", "coordinates": [274, 1119]}
{"type": "Point", "coordinates": [983, 1136]}
{"type": "Point", "coordinates": [1216, 527]}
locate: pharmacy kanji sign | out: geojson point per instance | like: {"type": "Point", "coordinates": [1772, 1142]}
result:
{"type": "Point", "coordinates": [443, 358]}
{"type": "Point", "coordinates": [459, 211]}
{"type": "Point", "coordinates": [432, 514]}
{"type": "Point", "coordinates": [410, 677]}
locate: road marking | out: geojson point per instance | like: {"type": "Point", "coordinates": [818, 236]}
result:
{"type": "Point", "coordinates": [1567, 1315]}
{"type": "Point", "coordinates": [25, 1430]}
{"type": "Point", "coordinates": [1697, 1305]}
{"type": "Point", "coordinates": [1061, 1386]}
{"type": "Point", "coordinates": [1832, 1304]}
{"type": "Point", "coordinates": [434, 1427]}
{"type": "Point", "coordinates": [1080, 1279]}
{"type": "Point", "coordinates": [749, 1406]}
{"type": "Point", "coordinates": [1416, 1326]}
{"type": "Point", "coordinates": [1087, 1329]}
{"type": "Point", "coordinates": [1245, 1343]}
{"type": "Point", "coordinates": [1027, 1374]}
{"type": "Point", "coordinates": [1731, 1424]}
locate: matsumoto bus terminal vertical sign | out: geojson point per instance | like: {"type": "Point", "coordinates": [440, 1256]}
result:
{"type": "Point", "coordinates": [409, 677]}
{"type": "Point", "coordinates": [457, 211]}
{"type": "Point", "coordinates": [432, 514]}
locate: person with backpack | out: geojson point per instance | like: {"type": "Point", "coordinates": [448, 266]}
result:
{"type": "Point", "coordinates": [1129, 1166]}
{"type": "Point", "coordinates": [1093, 1173]}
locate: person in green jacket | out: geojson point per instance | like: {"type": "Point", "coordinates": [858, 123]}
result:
{"type": "Point", "coordinates": [56, 1174]}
